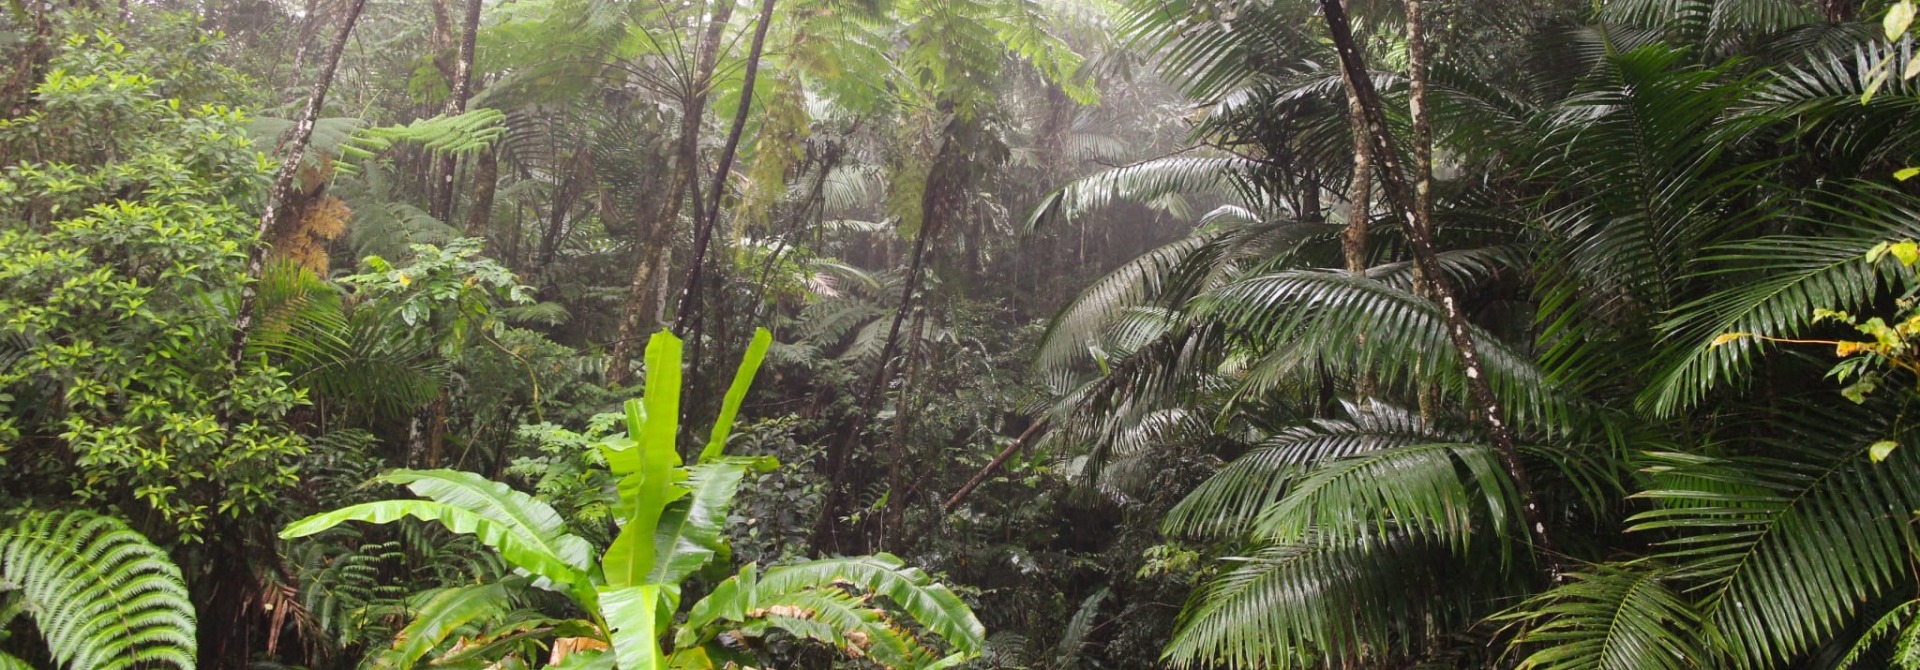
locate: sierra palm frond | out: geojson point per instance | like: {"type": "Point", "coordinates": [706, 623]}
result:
{"type": "Point", "coordinates": [1610, 617]}
{"type": "Point", "coordinates": [1297, 319]}
{"type": "Point", "coordinates": [1786, 546]}
{"type": "Point", "coordinates": [1319, 602]}
{"type": "Point", "coordinates": [1226, 504]}
{"type": "Point", "coordinates": [1775, 284]}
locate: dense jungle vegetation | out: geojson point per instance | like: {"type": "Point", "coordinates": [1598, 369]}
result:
{"type": "Point", "coordinates": [927, 334]}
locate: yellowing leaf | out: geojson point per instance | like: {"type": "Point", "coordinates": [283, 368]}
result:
{"type": "Point", "coordinates": [1904, 174]}
{"type": "Point", "coordinates": [1880, 450]}
{"type": "Point", "coordinates": [1878, 251]}
{"type": "Point", "coordinates": [405, 280]}
{"type": "Point", "coordinates": [1728, 338]}
{"type": "Point", "coordinates": [1899, 17]}
{"type": "Point", "coordinates": [1845, 349]}
{"type": "Point", "coordinates": [1908, 252]}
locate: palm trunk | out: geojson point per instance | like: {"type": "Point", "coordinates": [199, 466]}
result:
{"type": "Point", "coordinates": [1420, 236]}
{"type": "Point", "coordinates": [1353, 241]}
{"type": "Point", "coordinates": [657, 240]}
{"type": "Point", "coordinates": [283, 184]}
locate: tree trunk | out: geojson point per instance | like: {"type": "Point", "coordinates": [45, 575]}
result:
{"type": "Point", "coordinates": [283, 184]}
{"type": "Point", "coordinates": [689, 310]}
{"type": "Point", "coordinates": [1353, 241]}
{"type": "Point", "coordinates": [1420, 237]}
{"type": "Point", "coordinates": [462, 91]}
{"type": "Point", "coordinates": [657, 240]}
{"type": "Point", "coordinates": [890, 517]}
{"type": "Point", "coordinates": [933, 211]}
{"type": "Point", "coordinates": [486, 178]}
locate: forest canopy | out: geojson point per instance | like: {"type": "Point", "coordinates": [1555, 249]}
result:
{"type": "Point", "coordinates": [929, 334]}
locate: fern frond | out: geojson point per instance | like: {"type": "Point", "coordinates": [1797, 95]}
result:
{"type": "Point", "coordinates": [102, 596]}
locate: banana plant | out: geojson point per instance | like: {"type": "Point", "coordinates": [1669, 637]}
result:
{"type": "Point", "coordinates": [671, 519]}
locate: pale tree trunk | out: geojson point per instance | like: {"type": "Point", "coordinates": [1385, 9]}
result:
{"type": "Point", "coordinates": [644, 300]}
{"type": "Point", "coordinates": [283, 184]}
{"type": "Point", "coordinates": [1353, 241]}
{"type": "Point", "coordinates": [462, 91]}
{"type": "Point", "coordinates": [1420, 236]}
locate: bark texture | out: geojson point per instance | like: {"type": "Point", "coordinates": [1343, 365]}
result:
{"type": "Point", "coordinates": [1405, 203]}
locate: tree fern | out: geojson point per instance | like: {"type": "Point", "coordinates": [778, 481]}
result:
{"type": "Point", "coordinates": [102, 596]}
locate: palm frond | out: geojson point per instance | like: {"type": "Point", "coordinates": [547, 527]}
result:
{"type": "Point", "coordinates": [1610, 617]}
{"type": "Point", "coordinates": [1786, 546]}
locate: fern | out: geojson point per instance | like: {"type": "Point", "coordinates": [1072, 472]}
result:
{"type": "Point", "coordinates": [103, 597]}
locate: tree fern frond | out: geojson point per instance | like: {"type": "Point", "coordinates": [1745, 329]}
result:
{"type": "Point", "coordinates": [102, 596]}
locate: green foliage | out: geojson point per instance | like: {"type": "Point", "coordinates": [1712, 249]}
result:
{"type": "Point", "coordinates": [123, 229]}
{"type": "Point", "coordinates": [1613, 617]}
{"type": "Point", "coordinates": [101, 595]}
{"type": "Point", "coordinates": [671, 520]}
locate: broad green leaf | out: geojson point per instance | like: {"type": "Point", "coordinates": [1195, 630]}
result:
{"type": "Point", "coordinates": [645, 494]}
{"type": "Point", "coordinates": [513, 546]}
{"type": "Point", "coordinates": [444, 612]}
{"type": "Point", "coordinates": [662, 402]}
{"type": "Point", "coordinates": [530, 517]}
{"type": "Point", "coordinates": [691, 532]}
{"type": "Point", "coordinates": [730, 407]}
{"type": "Point", "coordinates": [630, 613]}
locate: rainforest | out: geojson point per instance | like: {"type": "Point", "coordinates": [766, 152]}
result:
{"type": "Point", "coordinates": [959, 334]}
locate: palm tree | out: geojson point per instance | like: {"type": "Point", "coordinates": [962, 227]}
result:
{"type": "Point", "coordinates": [1705, 511]}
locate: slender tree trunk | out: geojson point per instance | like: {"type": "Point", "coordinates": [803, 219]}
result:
{"type": "Point", "coordinates": [1426, 393]}
{"type": "Point", "coordinates": [283, 184]}
{"type": "Point", "coordinates": [462, 84]}
{"type": "Point", "coordinates": [1353, 241]}
{"type": "Point", "coordinates": [486, 178]}
{"type": "Point", "coordinates": [308, 21]}
{"type": "Point", "coordinates": [1033, 431]}
{"type": "Point", "coordinates": [1420, 237]}
{"type": "Point", "coordinates": [563, 197]}
{"type": "Point", "coordinates": [657, 240]}
{"type": "Point", "coordinates": [933, 211]}
{"type": "Point", "coordinates": [890, 518]}
{"type": "Point", "coordinates": [690, 307]}
{"type": "Point", "coordinates": [1839, 11]}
